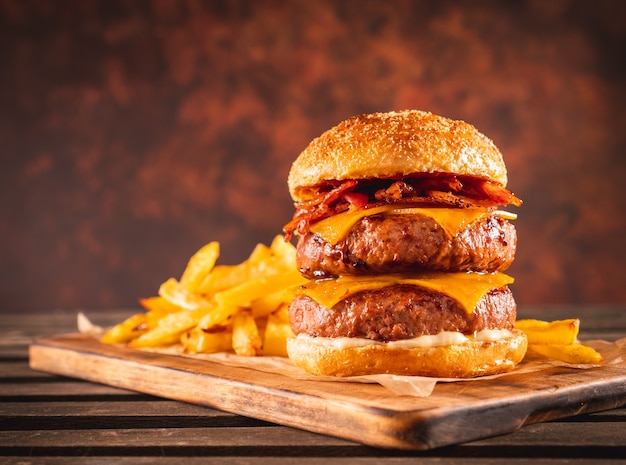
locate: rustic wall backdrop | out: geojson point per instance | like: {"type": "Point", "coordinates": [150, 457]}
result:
{"type": "Point", "coordinates": [133, 132]}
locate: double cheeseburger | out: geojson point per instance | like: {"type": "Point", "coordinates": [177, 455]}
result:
{"type": "Point", "coordinates": [401, 234]}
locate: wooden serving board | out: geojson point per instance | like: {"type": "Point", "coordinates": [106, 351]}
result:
{"type": "Point", "coordinates": [367, 413]}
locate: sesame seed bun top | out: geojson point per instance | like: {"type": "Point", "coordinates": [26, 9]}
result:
{"type": "Point", "coordinates": [395, 144]}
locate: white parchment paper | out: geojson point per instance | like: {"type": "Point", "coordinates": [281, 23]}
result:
{"type": "Point", "coordinates": [614, 353]}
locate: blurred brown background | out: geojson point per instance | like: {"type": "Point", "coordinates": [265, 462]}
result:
{"type": "Point", "coordinates": [133, 132]}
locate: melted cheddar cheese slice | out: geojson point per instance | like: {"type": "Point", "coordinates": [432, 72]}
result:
{"type": "Point", "coordinates": [466, 288]}
{"type": "Point", "coordinates": [452, 220]}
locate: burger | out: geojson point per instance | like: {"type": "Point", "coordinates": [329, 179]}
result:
{"type": "Point", "coordinates": [401, 232]}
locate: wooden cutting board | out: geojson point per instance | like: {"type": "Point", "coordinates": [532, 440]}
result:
{"type": "Point", "coordinates": [367, 413]}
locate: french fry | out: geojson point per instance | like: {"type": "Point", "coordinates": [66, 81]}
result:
{"type": "Point", "coordinates": [263, 261]}
{"type": "Point", "coordinates": [158, 304]}
{"type": "Point", "coordinates": [284, 252]}
{"type": "Point", "coordinates": [270, 303]}
{"type": "Point", "coordinates": [196, 341]}
{"type": "Point", "coordinates": [560, 332]}
{"type": "Point", "coordinates": [134, 326]}
{"type": "Point", "coordinates": [154, 317]}
{"type": "Point", "coordinates": [220, 307]}
{"type": "Point", "coordinates": [177, 294]}
{"type": "Point", "coordinates": [220, 315]}
{"type": "Point", "coordinates": [557, 340]}
{"type": "Point", "coordinates": [243, 294]}
{"type": "Point", "coordinates": [199, 266]}
{"type": "Point", "coordinates": [275, 338]}
{"type": "Point", "coordinates": [169, 329]}
{"type": "Point", "coordinates": [283, 311]}
{"type": "Point", "coordinates": [246, 339]}
{"type": "Point", "coordinates": [228, 276]}
{"type": "Point", "coordinates": [570, 353]}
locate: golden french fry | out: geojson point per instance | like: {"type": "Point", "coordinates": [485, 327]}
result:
{"type": "Point", "coordinates": [270, 303]}
{"type": "Point", "coordinates": [244, 294]}
{"type": "Point", "coordinates": [219, 315]}
{"type": "Point", "coordinates": [559, 332]}
{"type": "Point", "coordinates": [570, 353]}
{"type": "Point", "coordinates": [227, 276]}
{"type": "Point", "coordinates": [266, 261]}
{"type": "Point", "coordinates": [263, 261]}
{"type": "Point", "coordinates": [154, 317]}
{"type": "Point", "coordinates": [127, 330]}
{"type": "Point", "coordinates": [284, 252]}
{"type": "Point", "coordinates": [158, 304]}
{"type": "Point", "coordinates": [260, 255]}
{"type": "Point", "coordinates": [275, 338]}
{"type": "Point", "coordinates": [199, 266]}
{"type": "Point", "coordinates": [169, 328]}
{"type": "Point", "coordinates": [196, 341]}
{"type": "Point", "coordinates": [246, 338]}
{"type": "Point", "coordinates": [157, 308]}
{"type": "Point", "coordinates": [283, 312]}
{"type": "Point", "coordinates": [223, 277]}
{"type": "Point", "coordinates": [177, 294]}
{"type": "Point", "coordinates": [195, 310]}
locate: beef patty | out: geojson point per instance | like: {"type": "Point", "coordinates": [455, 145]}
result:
{"type": "Point", "coordinates": [381, 244]}
{"type": "Point", "coordinates": [401, 312]}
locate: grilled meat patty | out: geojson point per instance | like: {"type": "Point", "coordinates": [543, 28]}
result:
{"type": "Point", "coordinates": [383, 243]}
{"type": "Point", "coordinates": [401, 312]}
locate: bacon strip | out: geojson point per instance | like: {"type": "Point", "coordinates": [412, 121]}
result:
{"type": "Point", "coordinates": [320, 206]}
{"type": "Point", "coordinates": [427, 189]}
{"type": "Point", "coordinates": [499, 194]}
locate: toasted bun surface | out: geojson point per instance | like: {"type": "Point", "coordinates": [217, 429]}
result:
{"type": "Point", "coordinates": [395, 144]}
{"type": "Point", "coordinates": [467, 360]}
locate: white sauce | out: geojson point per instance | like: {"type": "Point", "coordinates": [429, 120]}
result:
{"type": "Point", "coordinates": [444, 338]}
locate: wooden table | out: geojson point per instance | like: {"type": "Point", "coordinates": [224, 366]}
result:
{"type": "Point", "coordinates": [52, 419]}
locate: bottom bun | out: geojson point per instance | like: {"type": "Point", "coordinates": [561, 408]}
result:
{"type": "Point", "coordinates": [465, 360]}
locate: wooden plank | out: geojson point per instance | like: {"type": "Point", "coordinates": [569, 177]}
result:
{"type": "Point", "coordinates": [282, 441]}
{"type": "Point", "coordinates": [267, 436]}
{"type": "Point", "coordinates": [565, 434]}
{"type": "Point", "coordinates": [20, 369]}
{"type": "Point", "coordinates": [93, 409]}
{"type": "Point", "coordinates": [17, 352]}
{"type": "Point", "coordinates": [618, 414]}
{"type": "Point", "coordinates": [69, 388]}
{"type": "Point", "coordinates": [455, 413]}
{"type": "Point", "coordinates": [321, 459]}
